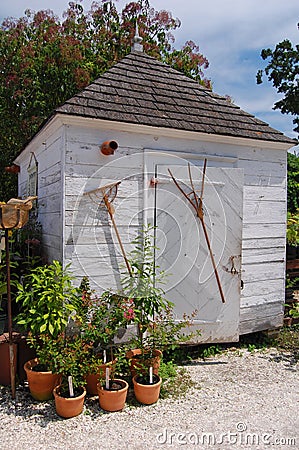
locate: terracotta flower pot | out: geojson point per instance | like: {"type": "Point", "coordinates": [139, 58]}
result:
{"type": "Point", "coordinates": [41, 384]}
{"type": "Point", "coordinates": [147, 394]}
{"type": "Point", "coordinates": [138, 362]}
{"type": "Point", "coordinates": [113, 400]}
{"type": "Point", "coordinates": [68, 407]}
{"type": "Point", "coordinates": [93, 379]}
{"type": "Point", "coordinates": [5, 360]}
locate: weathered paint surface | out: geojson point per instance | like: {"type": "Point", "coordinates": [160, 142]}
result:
{"type": "Point", "coordinates": [77, 229]}
{"type": "Point", "coordinates": [191, 283]}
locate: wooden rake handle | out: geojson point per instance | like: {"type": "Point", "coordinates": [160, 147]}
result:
{"type": "Point", "coordinates": [197, 205]}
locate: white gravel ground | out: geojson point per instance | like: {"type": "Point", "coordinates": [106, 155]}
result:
{"type": "Point", "coordinates": [241, 400]}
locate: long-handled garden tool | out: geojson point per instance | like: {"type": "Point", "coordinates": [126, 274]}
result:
{"type": "Point", "coordinates": [108, 193]}
{"type": "Point", "coordinates": [197, 203]}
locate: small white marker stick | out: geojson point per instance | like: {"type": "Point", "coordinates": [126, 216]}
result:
{"type": "Point", "coordinates": [107, 377]}
{"type": "Point", "coordinates": [71, 389]}
{"type": "Point", "coordinates": [151, 375]}
{"type": "Point", "coordinates": [104, 357]}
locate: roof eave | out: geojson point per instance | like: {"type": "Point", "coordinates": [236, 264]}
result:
{"type": "Point", "coordinates": [59, 119]}
{"type": "Point", "coordinates": [176, 133]}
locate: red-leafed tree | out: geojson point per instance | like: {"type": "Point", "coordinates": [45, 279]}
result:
{"type": "Point", "coordinates": [45, 60]}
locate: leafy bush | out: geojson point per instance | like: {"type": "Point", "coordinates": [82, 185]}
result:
{"type": "Point", "coordinates": [293, 228]}
{"type": "Point", "coordinates": [293, 183]}
{"type": "Point", "coordinates": [46, 298]}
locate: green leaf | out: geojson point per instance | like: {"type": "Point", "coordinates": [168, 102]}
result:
{"type": "Point", "coordinates": [43, 328]}
{"type": "Point", "coordinates": [51, 328]}
{"type": "Point", "coordinates": [22, 322]}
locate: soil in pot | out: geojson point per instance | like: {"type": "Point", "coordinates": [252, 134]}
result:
{"type": "Point", "coordinates": [145, 392]}
{"type": "Point", "coordinates": [114, 398]}
{"type": "Point", "coordinates": [65, 393]}
{"type": "Point", "coordinates": [93, 379]}
{"type": "Point", "coordinates": [41, 384]}
{"type": "Point", "coordinates": [139, 361]}
{"type": "Point", "coordinates": [40, 368]}
{"type": "Point", "coordinates": [67, 406]}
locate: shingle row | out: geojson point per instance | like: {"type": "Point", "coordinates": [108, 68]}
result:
{"type": "Point", "coordinates": [141, 90]}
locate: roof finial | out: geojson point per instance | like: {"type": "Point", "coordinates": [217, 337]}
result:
{"type": "Point", "coordinates": [137, 46]}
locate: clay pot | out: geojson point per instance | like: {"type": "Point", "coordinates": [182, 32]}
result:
{"type": "Point", "coordinates": [113, 400]}
{"type": "Point", "coordinates": [108, 147]}
{"type": "Point", "coordinates": [147, 394]}
{"type": "Point", "coordinates": [5, 360]}
{"type": "Point", "coordinates": [41, 384]}
{"type": "Point", "coordinates": [25, 353]}
{"type": "Point", "coordinates": [139, 363]}
{"type": "Point", "coordinates": [68, 407]}
{"type": "Point", "coordinates": [93, 379]}
{"type": "Point", "coordinates": [12, 169]}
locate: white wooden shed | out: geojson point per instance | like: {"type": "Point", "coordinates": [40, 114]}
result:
{"type": "Point", "coordinates": [163, 120]}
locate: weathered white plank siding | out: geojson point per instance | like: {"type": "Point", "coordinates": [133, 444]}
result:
{"type": "Point", "coordinates": [48, 155]}
{"type": "Point", "coordinates": [264, 209]}
{"type": "Point", "coordinates": [263, 252]}
{"type": "Point", "coordinates": [50, 194]}
{"type": "Point", "coordinates": [90, 240]}
{"type": "Point", "coordinates": [77, 230]}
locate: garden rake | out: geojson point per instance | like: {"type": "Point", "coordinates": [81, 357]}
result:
{"type": "Point", "coordinates": [197, 203]}
{"type": "Point", "coordinates": [108, 193]}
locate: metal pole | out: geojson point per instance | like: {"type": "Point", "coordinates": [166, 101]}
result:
{"type": "Point", "coordinates": [9, 313]}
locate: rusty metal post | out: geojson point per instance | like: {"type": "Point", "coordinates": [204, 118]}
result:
{"type": "Point", "coordinates": [9, 313]}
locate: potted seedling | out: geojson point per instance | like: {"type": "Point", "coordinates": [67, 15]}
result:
{"type": "Point", "coordinates": [147, 386]}
{"type": "Point", "coordinates": [100, 318]}
{"type": "Point", "coordinates": [112, 392]}
{"type": "Point", "coordinates": [142, 287]}
{"type": "Point", "coordinates": [68, 361]}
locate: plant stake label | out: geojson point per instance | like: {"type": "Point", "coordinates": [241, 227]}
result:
{"type": "Point", "coordinates": [107, 377]}
{"type": "Point", "coordinates": [2, 246]}
{"type": "Point", "coordinates": [151, 375]}
{"type": "Point", "coordinates": [71, 389]}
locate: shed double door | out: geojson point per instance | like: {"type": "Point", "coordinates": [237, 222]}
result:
{"type": "Point", "coordinates": [183, 251]}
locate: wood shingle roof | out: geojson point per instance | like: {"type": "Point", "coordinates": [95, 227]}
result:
{"type": "Point", "coordinates": [142, 90]}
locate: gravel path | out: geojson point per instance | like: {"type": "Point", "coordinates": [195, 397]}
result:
{"type": "Point", "coordinates": [241, 400]}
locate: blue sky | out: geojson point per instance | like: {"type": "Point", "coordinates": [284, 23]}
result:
{"type": "Point", "coordinates": [230, 33]}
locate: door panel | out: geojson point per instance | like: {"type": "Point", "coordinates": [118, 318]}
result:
{"type": "Point", "coordinates": [183, 252]}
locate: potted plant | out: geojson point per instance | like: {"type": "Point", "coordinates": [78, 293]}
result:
{"type": "Point", "coordinates": [147, 387]}
{"type": "Point", "coordinates": [99, 319]}
{"type": "Point", "coordinates": [68, 361]}
{"type": "Point", "coordinates": [112, 392]}
{"type": "Point", "coordinates": [158, 328]}
{"type": "Point", "coordinates": [46, 298]}
{"type": "Point", "coordinates": [164, 333]}
{"type": "Point", "coordinates": [142, 287]}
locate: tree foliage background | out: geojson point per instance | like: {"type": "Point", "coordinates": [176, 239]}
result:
{"type": "Point", "coordinates": [293, 183]}
{"type": "Point", "coordinates": [46, 60]}
{"type": "Point", "coordinates": [282, 71]}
